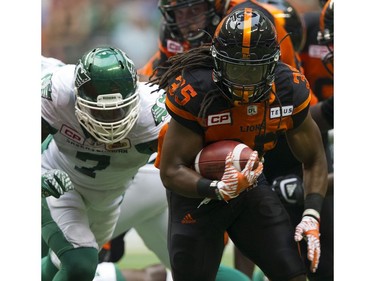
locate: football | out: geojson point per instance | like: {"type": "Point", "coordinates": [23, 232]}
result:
{"type": "Point", "coordinates": [210, 161]}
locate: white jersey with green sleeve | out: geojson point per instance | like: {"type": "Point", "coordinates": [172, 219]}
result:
{"type": "Point", "coordinates": [89, 164]}
{"type": "Point", "coordinates": [99, 172]}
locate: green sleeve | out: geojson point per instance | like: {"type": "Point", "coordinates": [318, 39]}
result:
{"type": "Point", "coordinates": [226, 273]}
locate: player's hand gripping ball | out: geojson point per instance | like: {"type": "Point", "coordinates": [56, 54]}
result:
{"type": "Point", "coordinates": [210, 161]}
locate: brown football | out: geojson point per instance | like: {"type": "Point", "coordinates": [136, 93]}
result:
{"type": "Point", "coordinates": [210, 161]}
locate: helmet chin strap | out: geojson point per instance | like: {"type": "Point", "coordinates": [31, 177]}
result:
{"type": "Point", "coordinates": [269, 80]}
{"type": "Point", "coordinates": [217, 76]}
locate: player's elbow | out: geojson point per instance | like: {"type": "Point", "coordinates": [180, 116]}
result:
{"type": "Point", "coordinates": [167, 176]}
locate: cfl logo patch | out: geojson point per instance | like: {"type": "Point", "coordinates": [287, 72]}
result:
{"type": "Point", "coordinates": [252, 110]}
{"type": "Point", "coordinates": [218, 119]}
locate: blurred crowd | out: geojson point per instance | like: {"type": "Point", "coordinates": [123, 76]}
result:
{"type": "Point", "coordinates": [70, 27]}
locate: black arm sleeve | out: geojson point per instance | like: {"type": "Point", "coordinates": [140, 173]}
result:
{"type": "Point", "coordinates": [47, 129]}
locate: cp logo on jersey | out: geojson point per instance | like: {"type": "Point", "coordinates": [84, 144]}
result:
{"type": "Point", "coordinates": [71, 134]}
{"type": "Point", "coordinates": [174, 47]}
{"type": "Point", "coordinates": [217, 119]}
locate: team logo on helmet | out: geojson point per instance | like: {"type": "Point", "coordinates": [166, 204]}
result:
{"type": "Point", "coordinates": [81, 75]}
{"type": "Point", "coordinates": [130, 65]}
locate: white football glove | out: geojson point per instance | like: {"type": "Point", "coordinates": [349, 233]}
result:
{"type": "Point", "coordinates": [308, 228]}
{"type": "Point", "coordinates": [233, 181]}
{"type": "Point", "coordinates": [55, 182]}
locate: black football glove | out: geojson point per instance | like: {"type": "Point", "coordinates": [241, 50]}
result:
{"type": "Point", "coordinates": [289, 189]}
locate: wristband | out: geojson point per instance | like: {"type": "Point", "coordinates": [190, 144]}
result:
{"type": "Point", "coordinates": [313, 202]}
{"type": "Point", "coordinates": [207, 188]}
{"type": "Point", "coordinates": [311, 213]}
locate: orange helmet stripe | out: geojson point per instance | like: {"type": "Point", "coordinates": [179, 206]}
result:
{"type": "Point", "coordinates": [321, 20]}
{"type": "Point", "coordinates": [246, 33]}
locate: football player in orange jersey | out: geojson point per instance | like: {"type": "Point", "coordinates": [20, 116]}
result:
{"type": "Point", "coordinates": [182, 30]}
{"type": "Point", "coordinates": [288, 176]}
{"type": "Point", "coordinates": [317, 52]}
{"type": "Point", "coordinates": [325, 39]}
{"type": "Point", "coordinates": [190, 23]}
{"type": "Point", "coordinates": [320, 78]}
{"type": "Point", "coordinates": [236, 88]}
{"type": "Point", "coordinates": [186, 24]}
{"type": "Point", "coordinates": [323, 113]}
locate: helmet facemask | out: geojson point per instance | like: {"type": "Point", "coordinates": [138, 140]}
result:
{"type": "Point", "coordinates": [246, 81]}
{"type": "Point", "coordinates": [109, 119]}
{"type": "Point", "coordinates": [107, 97]}
{"type": "Point", "coordinates": [245, 69]}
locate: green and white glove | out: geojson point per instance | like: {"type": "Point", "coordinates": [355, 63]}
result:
{"type": "Point", "coordinates": [55, 182]}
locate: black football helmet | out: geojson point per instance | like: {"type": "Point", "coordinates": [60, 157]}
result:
{"type": "Point", "coordinates": [107, 103]}
{"type": "Point", "coordinates": [325, 34]}
{"type": "Point", "coordinates": [245, 52]}
{"type": "Point", "coordinates": [187, 20]}
{"type": "Point", "coordinates": [291, 20]}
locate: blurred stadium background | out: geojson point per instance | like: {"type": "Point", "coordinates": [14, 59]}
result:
{"type": "Point", "coordinates": [71, 27]}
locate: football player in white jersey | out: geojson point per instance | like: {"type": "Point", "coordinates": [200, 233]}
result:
{"type": "Point", "coordinates": [103, 125]}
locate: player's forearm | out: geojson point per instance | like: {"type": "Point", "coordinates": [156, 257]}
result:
{"type": "Point", "coordinates": [315, 176]}
{"type": "Point", "coordinates": [315, 184]}
{"type": "Point", "coordinates": [181, 180]}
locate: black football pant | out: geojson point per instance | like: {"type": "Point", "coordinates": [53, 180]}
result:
{"type": "Point", "coordinates": [256, 222]}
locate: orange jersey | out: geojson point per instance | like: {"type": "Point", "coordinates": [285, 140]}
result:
{"type": "Point", "coordinates": [257, 125]}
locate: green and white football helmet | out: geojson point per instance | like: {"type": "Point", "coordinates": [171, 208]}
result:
{"type": "Point", "coordinates": [107, 103]}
